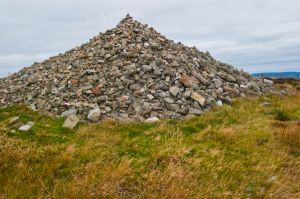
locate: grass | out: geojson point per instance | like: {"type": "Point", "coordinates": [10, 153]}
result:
{"type": "Point", "coordinates": [289, 134]}
{"type": "Point", "coordinates": [241, 151]}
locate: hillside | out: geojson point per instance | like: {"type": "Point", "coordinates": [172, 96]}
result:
{"type": "Point", "coordinates": [248, 150]}
{"type": "Point", "coordinates": [132, 73]}
{"type": "Point", "coordinates": [295, 75]}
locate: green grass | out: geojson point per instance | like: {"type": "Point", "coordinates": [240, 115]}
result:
{"type": "Point", "coordinates": [236, 151]}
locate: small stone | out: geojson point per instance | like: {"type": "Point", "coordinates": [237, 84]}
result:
{"type": "Point", "coordinates": [94, 115]}
{"type": "Point", "coordinates": [25, 128]}
{"type": "Point", "coordinates": [230, 78]}
{"type": "Point", "coordinates": [175, 64]}
{"type": "Point", "coordinates": [87, 87]}
{"type": "Point", "coordinates": [196, 96]}
{"type": "Point", "coordinates": [71, 122]}
{"type": "Point", "coordinates": [269, 82]}
{"type": "Point", "coordinates": [152, 120]}
{"type": "Point", "coordinates": [131, 54]}
{"type": "Point", "coordinates": [123, 99]}
{"type": "Point", "coordinates": [12, 131]}
{"type": "Point", "coordinates": [131, 68]}
{"type": "Point", "coordinates": [200, 77]}
{"type": "Point", "coordinates": [162, 95]}
{"type": "Point", "coordinates": [69, 112]}
{"type": "Point", "coordinates": [79, 92]}
{"type": "Point", "coordinates": [187, 94]}
{"type": "Point", "coordinates": [173, 107]}
{"type": "Point", "coordinates": [169, 100]}
{"type": "Point", "coordinates": [210, 101]}
{"type": "Point", "coordinates": [107, 56]}
{"type": "Point", "coordinates": [74, 82]}
{"type": "Point", "coordinates": [186, 80]}
{"type": "Point", "coordinates": [96, 90]}
{"type": "Point", "coordinates": [226, 100]}
{"type": "Point", "coordinates": [146, 68]}
{"type": "Point", "coordinates": [174, 90]}
{"type": "Point", "coordinates": [157, 72]}
{"type": "Point", "coordinates": [150, 96]}
{"type": "Point", "coordinates": [219, 103]}
{"type": "Point", "coordinates": [272, 179]}
{"type": "Point", "coordinates": [194, 111]}
{"type": "Point", "coordinates": [14, 119]}
{"type": "Point", "coordinates": [228, 89]}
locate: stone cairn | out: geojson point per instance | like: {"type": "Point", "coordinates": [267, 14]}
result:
{"type": "Point", "coordinates": [131, 73]}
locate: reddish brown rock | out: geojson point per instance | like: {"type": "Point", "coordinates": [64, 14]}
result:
{"type": "Point", "coordinates": [96, 90]}
{"type": "Point", "coordinates": [74, 82]}
{"type": "Point", "coordinates": [186, 80]}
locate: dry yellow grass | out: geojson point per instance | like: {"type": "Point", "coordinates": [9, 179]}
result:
{"type": "Point", "coordinates": [231, 152]}
{"type": "Point", "coordinates": [289, 134]}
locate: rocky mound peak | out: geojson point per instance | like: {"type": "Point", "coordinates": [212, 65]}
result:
{"type": "Point", "coordinates": [130, 72]}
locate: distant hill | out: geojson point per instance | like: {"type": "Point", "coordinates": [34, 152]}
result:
{"type": "Point", "coordinates": [278, 74]}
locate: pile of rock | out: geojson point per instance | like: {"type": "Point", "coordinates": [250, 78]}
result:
{"type": "Point", "coordinates": [130, 72]}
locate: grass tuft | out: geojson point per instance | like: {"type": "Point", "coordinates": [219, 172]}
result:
{"type": "Point", "coordinates": [241, 151]}
{"type": "Point", "coordinates": [281, 115]}
{"type": "Point", "coordinates": [288, 133]}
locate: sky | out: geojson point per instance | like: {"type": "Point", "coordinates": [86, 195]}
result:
{"type": "Point", "coordinates": [253, 35]}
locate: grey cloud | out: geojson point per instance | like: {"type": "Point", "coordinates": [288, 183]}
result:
{"type": "Point", "coordinates": [254, 35]}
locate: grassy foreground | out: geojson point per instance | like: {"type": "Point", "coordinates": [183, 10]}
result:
{"type": "Point", "coordinates": [247, 150]}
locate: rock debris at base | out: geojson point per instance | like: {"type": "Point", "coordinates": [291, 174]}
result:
{"type": "Point", "coordinates": [130, 73]}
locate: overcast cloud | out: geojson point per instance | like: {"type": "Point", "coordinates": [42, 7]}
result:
{"type": "Point", "coordinates": [255, 35]}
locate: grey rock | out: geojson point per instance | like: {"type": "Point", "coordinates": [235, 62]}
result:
{"type": "Point", "coordinates": [169, 100]}
{"type": "Point", "coordinates": [187, 94]}
{"type": "Point", "coordinates": [194, 111]}
{"type": "Point", "coordinates": [267, 81]}
{"type": "Point", "coordinates": [152, 120]}
{"type": "Point", "coordinates": [25, 128]}
{"type": "Point", "coordinates": [94, 115]}
{"type": "Point", "coordinates": [147, 68]}
{"type": "Point", "coordinates": [131, 69]}
{"type": "Point", "coordinates": [219, 103]}
{"type": "Point", "coordinates": [200, 78]}
{"type": "Point", "coordinates": [69, 112]}
{"type": "Point", "coordinates": [174, 90]}
{"type": "Point", "coordinates": [71, 122]}
{"type": "Point", "coordinates": [150, 96]}
{"type": "Point", "coordinates": [173, 107]}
